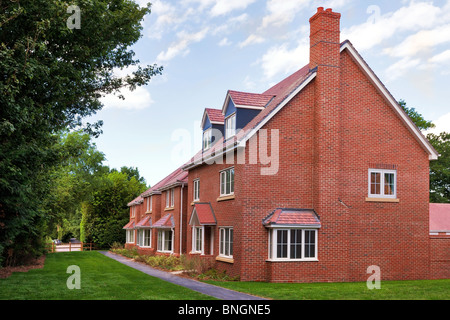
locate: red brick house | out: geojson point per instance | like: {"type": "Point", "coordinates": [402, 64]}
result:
{"type": "Point", "coordinates": [313, 180]}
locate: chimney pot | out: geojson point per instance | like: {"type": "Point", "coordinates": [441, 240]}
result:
{"type": "Point", "coordinates": [319, 9]}
{"type": "Point", "coordinates": [329, 10]}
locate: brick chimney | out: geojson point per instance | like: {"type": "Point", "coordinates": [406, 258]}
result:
{"type": "Point", "coordinates": [327, 156]}
{"type": "Point", "coordinates": [324, 38]}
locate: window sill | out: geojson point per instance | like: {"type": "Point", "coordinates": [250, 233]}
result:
{"type": "Point", "coordinates": [224, 259]}
{"type": "Point", "coordinates": [292, 260]}
{"type": "Point", "coordinates": [169, 209]}
{"type": "Point", "coordinates": [382, 200]}
{"type": "Point", "coordinates": [224, 198]}
{"type": "Point", "coordinates": [148, 212]}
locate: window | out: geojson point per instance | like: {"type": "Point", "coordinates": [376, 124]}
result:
{"type": "Point", "coordinates": [382, 183]}
{"type": "Point", "coordinates": [144, 238]}
{"type": "Point", "coordinates": [230, 126]}
{"type": "Point", "coordinates": [226, 242]}
{"type": "Point", "coordinates": [196, 190]}
{"type": "Point", "coordinates": [292, 244]}
{"type": "Point", "coordinates": [227, 182]}
{"type": "Point", "coordinates": [207, 139]}
{"type": "Point", "coordinates": [197, 239]}
{"type": "Point", "coordinates": [149, 203]}
{"type": "Point", "coordinates": [170, 198]}
{"type": "Point", "coordinates": [133, 211]}
{"type": "Point", "coordinates": [130, 236]}
{"type": "Point", "coordinates": [165, 240]}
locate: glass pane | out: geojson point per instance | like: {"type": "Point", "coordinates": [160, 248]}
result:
{"type": "Point", "coordinates": [296, 244]}
{"type": "Point", "coordinates": [375, 183]}
{"type": "Point", "coordinates": [227, 241]}
{"type": "Point", "coordinates": [389, 184]}
{"type": "Point", "coordinates": [228, 180]}
{"type": "Point", "coordinates": [231, 242]}
{"type": "Point", "coordinates": [282, 243]}
{"type": "Point", "coordinates": [232, 180]}
{"type": "Point", "coordinates": [222, 239]}
{"type": "Point", "coordinates": [222, 182]}
{"type": "Point", "coordinates": [310, 243]}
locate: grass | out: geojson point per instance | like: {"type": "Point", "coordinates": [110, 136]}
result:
{"type": "Point", "coordinates": [101, 279]}
{"type": "Point", "coordinates": [390, 290]}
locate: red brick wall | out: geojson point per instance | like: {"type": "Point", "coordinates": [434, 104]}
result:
{"type": "Point", "coordinates": [228, 213]}
{"type": "Point", "coordinates": [440, 257]}
{"type": "Point", "coordinates": [355, 234]}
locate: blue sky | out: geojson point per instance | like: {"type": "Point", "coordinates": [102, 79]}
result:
{"type": "Point", "coordinates": [210, 46]}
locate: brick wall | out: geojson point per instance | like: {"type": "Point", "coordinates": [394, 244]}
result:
{"type": "Point", "coordinates": [440, 257]}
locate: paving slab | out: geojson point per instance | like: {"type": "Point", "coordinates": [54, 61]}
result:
{"type": "Point", "coordinates": [205, 288]}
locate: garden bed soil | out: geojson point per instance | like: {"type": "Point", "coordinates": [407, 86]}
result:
{"type": "Point", "coordinates": [35, 264]}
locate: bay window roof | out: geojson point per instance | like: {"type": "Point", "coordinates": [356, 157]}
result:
{"type": "Point", "coordinates": [292, 218]}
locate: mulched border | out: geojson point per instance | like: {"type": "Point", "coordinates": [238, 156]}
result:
{"type": "Point", "coordinates": [36, 264]}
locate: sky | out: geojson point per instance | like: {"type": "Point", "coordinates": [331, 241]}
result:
{"type": "Point", "coordinates": [210, 46]}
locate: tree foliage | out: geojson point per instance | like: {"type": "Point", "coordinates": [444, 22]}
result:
{"type": "Point", "coordinates": [416, 117]}
{"type": "Point", "coordinates": [51, 78]}
{"type": "Point", "coordinates": [440, 168]}
{"type": "Point", "coordinates": [106, 213]}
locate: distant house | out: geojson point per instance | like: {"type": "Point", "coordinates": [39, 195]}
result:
{"type": "Point", "coordinates": [313, 180]}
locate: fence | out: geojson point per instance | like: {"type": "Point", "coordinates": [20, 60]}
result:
{"type": "Point", "coordinates": [69, 247]}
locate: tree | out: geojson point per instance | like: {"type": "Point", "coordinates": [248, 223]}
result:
{"type": "Point", "coordinates": [73, 180]}
{"type": "Point", "coordinates": [51, 78]}
{"type": "Point", "coordinates": [106, 214]}
{"type": "Point", "coordinates": [416, 117]}
{"type": "Point", "coordinates": [440, 169]}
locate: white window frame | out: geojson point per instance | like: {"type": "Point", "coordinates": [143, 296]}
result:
{"type": "Point", "coordinates": [382, 173]}
{"type": "Point", "coordinates": [226, 247]}
{"type": "Point", "coordinates": [130, 236]}
{"type": "Point", "coordinates": [230, 126]}
{"type": "Point", "coordinates": [170, 198]}
{"type": "Point", "coordinates": [224, 181]}
{"type": "Point", "coordinates": [145, 238]}
{"type": "Point", "coordinates": [133, 211]}
{"type": "Point", "coordinates": [273, 243]}
{"type": "Point", "coordinates": [149, 203]}
{"type": "Point", "coordinates": [198, 239]}
{"type": "Point", "coordinates": [196, 190]}
{"type": "Point", "coordinates": [207, 139]}
{"type": "Point", "coordinates": [162, 241]}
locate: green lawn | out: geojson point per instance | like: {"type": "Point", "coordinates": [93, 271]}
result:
{"type": "Point", "coordinates": [390, 290]}
{"type": "Point", "coordinates": [101, 278]}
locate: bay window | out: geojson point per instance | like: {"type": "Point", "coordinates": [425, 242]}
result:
{"type": "Point", "coordinates": [197, 239]}
{"type": "Point", "coordinates": [165, 240]}
{"type": "Point", "coordinates": [292, 244]}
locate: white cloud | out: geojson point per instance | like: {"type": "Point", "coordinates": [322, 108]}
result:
{"type": "Point", "coordinates": [379, 28]}
{"type": "Point", "coordinates": [401, 67]}
{"type": "Point", "coordinates": [419, 42]}
{"type": "Point", "coordinates": [282, 59]}
{"type": "Point", "coordinates": [252, 39]}
{"type": "Point", "coordinates": [134, 100]}
{"type": "Point", "coordinates": [224, 42]}
{"type": "Point", "coordinates": [181, 46]}
{"type": "Point", "coordinates": [442, 124]}
{"type": "Point", "coordinates": [223, 7]}
{"type": "Point", "coordinates": [282, 12]}
{"type": "Point", "coordinates": [441, 58]}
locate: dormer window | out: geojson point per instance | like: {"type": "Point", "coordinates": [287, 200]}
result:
{"type": "Point", "coordinates": [207, 139]}
{"type": "Point", "coordinates": [230, 126]}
